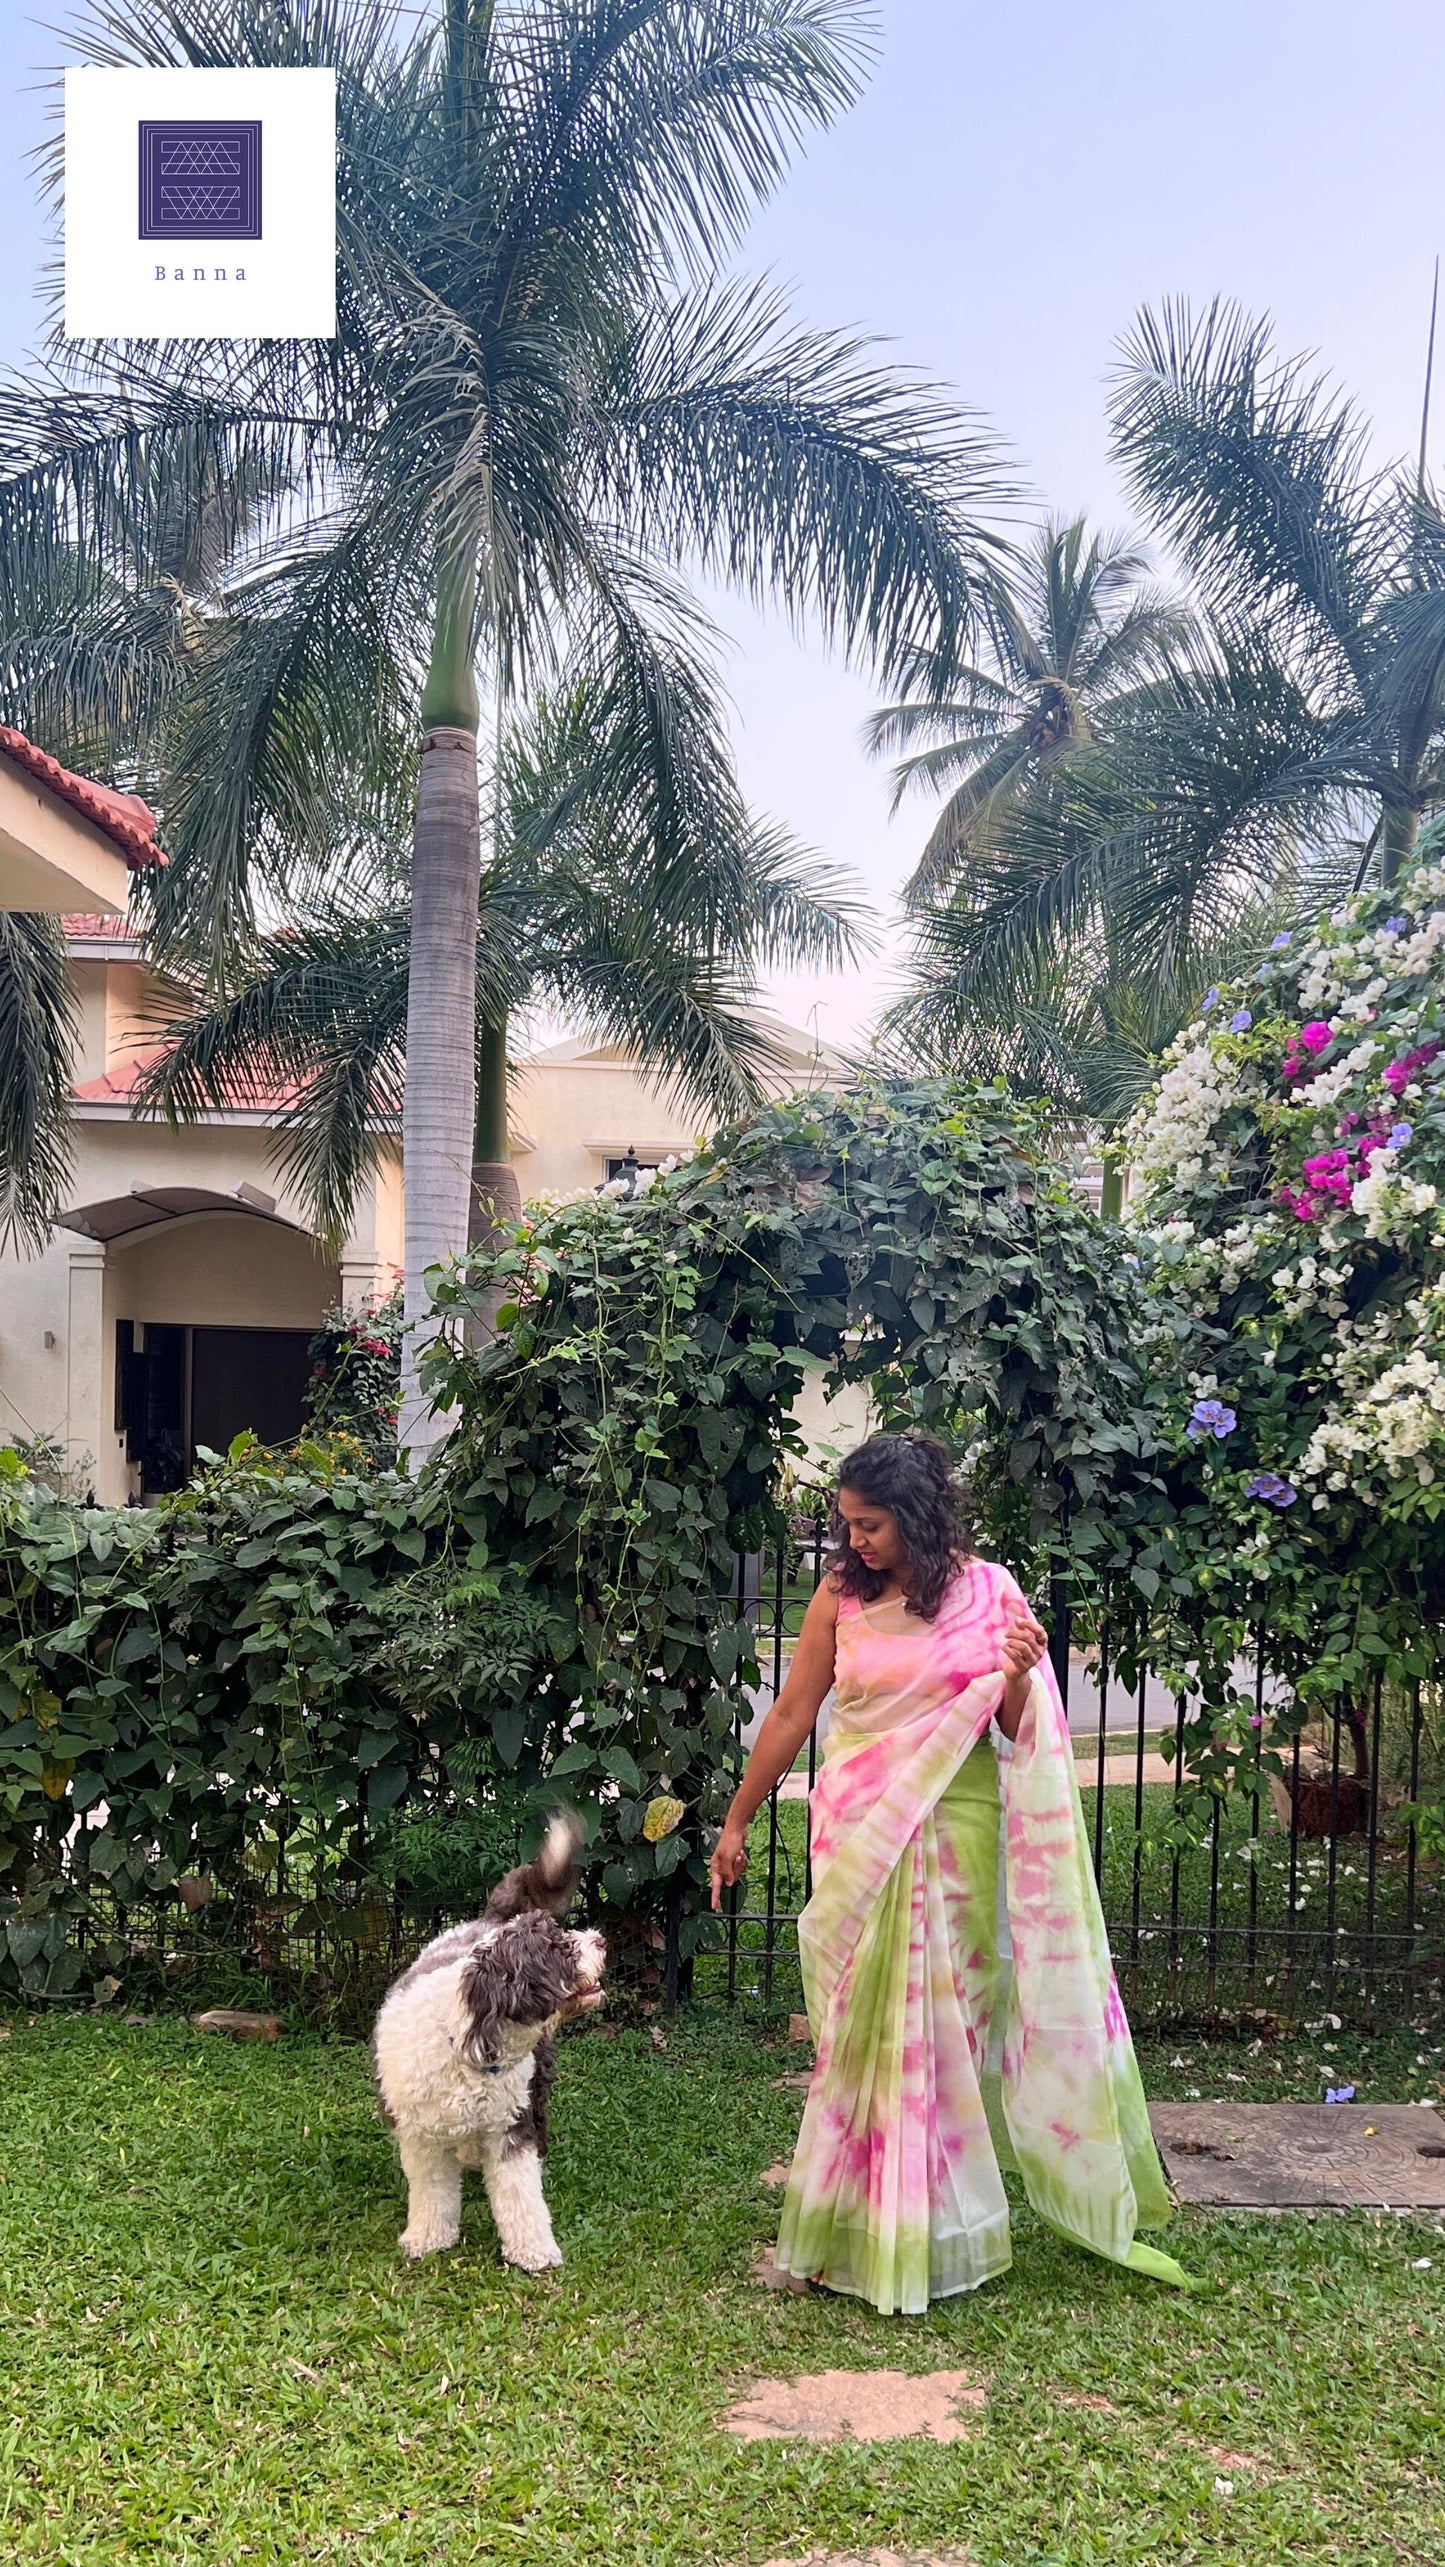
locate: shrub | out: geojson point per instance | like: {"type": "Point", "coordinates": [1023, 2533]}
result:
{"type": "Point", "coordinates": [1292, 1161]}
{"type": "Point", "coordinates": [354, 1382]}
{"type": "Point", "coordinates": [239, 1688]}
{"type": "Point", "coordinates": [622, 1439]}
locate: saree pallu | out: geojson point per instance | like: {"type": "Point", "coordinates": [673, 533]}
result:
{"type": "Point", "coordinates": [958, 1982]}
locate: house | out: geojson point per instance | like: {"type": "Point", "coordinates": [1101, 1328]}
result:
{"type": "Point", "coordinates": [64, 843]}
{"type": "Point", "coordinates": [173, 1305]}
{"type": "Point", "coordinates": [581, 1110]}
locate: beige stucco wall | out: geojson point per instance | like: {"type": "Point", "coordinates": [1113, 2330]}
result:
{"type": "Point", "coordinates": [574, 1114]}
{"type": "Point", "coordinates": [832, 1426]}
{"type": "Point", "coordinates": [211, 1269]}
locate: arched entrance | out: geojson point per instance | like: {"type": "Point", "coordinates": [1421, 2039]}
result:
{"type": "Point", "coordinates": [207, 1305]}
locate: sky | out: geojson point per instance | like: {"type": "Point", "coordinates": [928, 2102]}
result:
{"type": "Point", "coordinates": [1011, 189]}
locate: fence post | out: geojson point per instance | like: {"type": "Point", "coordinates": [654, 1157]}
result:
{"type": "Point", "coordinates": [1061, 1623]}
{"type": "Point", "coordinates": [672, 1961]}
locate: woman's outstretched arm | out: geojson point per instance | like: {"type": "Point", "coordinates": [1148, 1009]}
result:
{"type": "Point", "coordinates": [780, 1737]}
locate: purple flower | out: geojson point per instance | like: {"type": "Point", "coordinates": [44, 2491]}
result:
{"type": "Point", "coordinates": [1279, 942]}
{"type": "Point", "coordinates": [1269, 1485]}
{"type": "Point", "coordinates": [1241, 1022]}
{"type": "Point", "coordinates": [1399, 1134]}
{"type": "Point", "coordinates": [1393, 927]}
{"type": "Point", "coordinates": [1339, 2094]}
{"type": "Point", "coordinates": [1210, 999]}
{"type": "Point", "coordinates": [1210, 1417]}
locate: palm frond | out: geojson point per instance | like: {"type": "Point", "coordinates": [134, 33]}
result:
{"type": "Point", "coordinates": [799, 470]}
{"type": "Point", "coordinates": [39, 1028]}
{"type": "Point", "coordinates": [1254, 469]}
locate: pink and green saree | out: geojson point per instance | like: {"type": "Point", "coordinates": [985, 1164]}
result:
{"type": "Point", "coordinates": [957, 1975]}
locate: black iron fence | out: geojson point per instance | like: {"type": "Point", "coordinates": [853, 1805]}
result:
{"type": "Point", "coordinates": [1314, 1895]}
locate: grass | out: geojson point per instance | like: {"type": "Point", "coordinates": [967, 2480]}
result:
{"type": "Point", "coordinates": [213, 2353]}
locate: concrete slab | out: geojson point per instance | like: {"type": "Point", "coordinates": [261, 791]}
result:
{"type": "Point", "coordinates": [1303, 2156]}
{"type": "Point", "coordinates": [857, 2406]}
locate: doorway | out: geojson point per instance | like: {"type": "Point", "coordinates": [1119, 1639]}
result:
{"type": "Point", "coordinates": [181, 1388]}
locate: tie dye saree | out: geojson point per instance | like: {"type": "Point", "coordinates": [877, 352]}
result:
{"type": "Point", "coordinates": [957, 1976]}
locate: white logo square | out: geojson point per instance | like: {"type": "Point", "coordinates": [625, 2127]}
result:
{"type": "Point", "coordinates": [200, 204]}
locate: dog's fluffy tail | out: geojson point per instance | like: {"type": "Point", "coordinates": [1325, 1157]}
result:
{"type": "Point", "coordinates": [550, 1880]}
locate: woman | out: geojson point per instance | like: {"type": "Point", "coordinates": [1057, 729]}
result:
{"type": "Point", "coordinates": [955, 1963]}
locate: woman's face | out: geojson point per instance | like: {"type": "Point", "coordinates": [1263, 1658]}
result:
{"type": "Point", "coordinates": [872, 1531]}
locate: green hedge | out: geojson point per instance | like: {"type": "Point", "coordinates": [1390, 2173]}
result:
{"type": "Point", "coordinates": [258, 1689]}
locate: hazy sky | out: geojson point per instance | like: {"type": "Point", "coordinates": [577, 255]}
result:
{"type": "Point", "coordinates": [1011, 189]}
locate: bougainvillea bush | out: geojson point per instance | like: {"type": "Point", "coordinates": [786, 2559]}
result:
{"type": "Point", "coordinates": [1290, 1198]}
{"type": "Point", "coordinates": [354, 1384]}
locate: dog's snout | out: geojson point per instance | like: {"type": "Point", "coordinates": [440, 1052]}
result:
{"type": "Point", "coordinates": [591, 1957]}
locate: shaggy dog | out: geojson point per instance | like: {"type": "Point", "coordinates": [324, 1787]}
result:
{"type": "Point", "coordinates": [465, 2057]}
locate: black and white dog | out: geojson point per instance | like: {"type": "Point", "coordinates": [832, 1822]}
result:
{"type": "Point", "coordinates": [465, 2056]}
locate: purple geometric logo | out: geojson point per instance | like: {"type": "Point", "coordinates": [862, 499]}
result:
{"type": "Point", "coordinates": [200, 181]}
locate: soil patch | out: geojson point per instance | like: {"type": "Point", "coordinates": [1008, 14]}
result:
{"type": "Point", "coordinates": [857, 2406]}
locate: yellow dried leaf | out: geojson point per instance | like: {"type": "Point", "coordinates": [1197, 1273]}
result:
{"type": "Point", "coordinates": [662, 1817]}
{"type": "Point", "coordinates": [55, 1776]}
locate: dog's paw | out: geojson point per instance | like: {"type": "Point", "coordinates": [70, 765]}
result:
{"type": "Point", "coordinates": [536, 2259]}
{"type": "Point", "coordinates": [415, 2243]}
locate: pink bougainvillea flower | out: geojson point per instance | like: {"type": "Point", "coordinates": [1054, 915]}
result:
{"type": "Point", "coordinates": [1400, 1073]}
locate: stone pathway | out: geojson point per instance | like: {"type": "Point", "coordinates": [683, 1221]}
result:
{"type": "Point", "coordinates": [1303, 2156]}
{"type": "Point", "coordinates": [857, 2406]}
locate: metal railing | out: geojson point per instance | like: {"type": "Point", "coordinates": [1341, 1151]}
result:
{"type": "Point", "coordinates": [1309, 1896]}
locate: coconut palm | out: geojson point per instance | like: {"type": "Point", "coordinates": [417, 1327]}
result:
{"type": "Point", "coordinates": [1071, 627]}
{"type": "Point", "coordinates": [544, 389]}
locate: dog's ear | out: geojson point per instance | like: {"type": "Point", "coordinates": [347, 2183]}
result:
{"type": "Point", "coordinates": [549, 1883]}
{"type": "Point", "coordinates": [523, 1975]}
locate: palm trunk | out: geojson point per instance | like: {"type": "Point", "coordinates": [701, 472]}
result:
{"type": "Point", "coordinates": [439, 1106]}
{"type": "Point", "coordinates": [496, 1196]}
{"type": "Point", "coordinates": [1397, 839]}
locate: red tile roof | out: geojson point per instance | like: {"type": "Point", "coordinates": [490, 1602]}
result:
{"type": "Point", "coordinates": [124, 818]}
{"type": "Point", "coordinates": [118, 1087]}
{"type": "Point", "coordinates": [96, 927]}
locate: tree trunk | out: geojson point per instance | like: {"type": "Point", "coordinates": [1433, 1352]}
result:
{"type": "Point", "coordinates": [439, 1106]}
{"type": "Point", "coordinates": [496, 1197]}
{"type": "Point", "coordinates": [1398, 836]}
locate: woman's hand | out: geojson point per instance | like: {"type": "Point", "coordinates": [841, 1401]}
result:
{"type": "Point", "coordinates": [1024, 1643]}
{"type": "Point", "coordinates": [729, 1861]}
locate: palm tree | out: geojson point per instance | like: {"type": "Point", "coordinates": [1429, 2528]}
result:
{"type": "Point", "coordinates": [1160, 858]}
{"type": "Point", "coordinates": [544, 392]}
{"type": "Point", "coordinates": [575, 910]}
{"type": "Point", "coordinates": [1071, 629]}
{"type": "Point", "coordinates": [1253, 469]}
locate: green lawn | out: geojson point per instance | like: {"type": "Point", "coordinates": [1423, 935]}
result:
{"type": "Point", "coordinates": [212, 2351]}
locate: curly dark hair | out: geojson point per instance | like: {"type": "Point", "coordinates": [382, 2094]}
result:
{"type": "Point", "coordinates": [912, 1476]}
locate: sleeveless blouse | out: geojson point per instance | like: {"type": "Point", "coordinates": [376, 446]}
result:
{"type": "Point", "coordinates": [888, 1666]}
